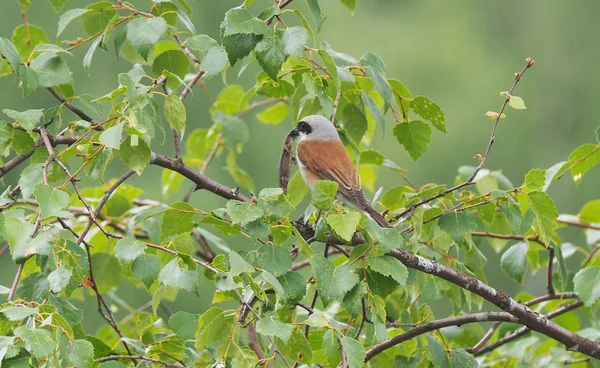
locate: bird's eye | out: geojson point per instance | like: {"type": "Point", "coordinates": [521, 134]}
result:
{"type": "Point", "coordinates": [304, 127]}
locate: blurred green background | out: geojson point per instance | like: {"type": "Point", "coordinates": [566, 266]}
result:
{"type": "Point", "coordinates": [460, 54]}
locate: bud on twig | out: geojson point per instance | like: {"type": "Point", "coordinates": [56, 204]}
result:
{"type": "Point", "coordinates": [529, 61]}
{"type": "Point", "coordinates": [517, 76]}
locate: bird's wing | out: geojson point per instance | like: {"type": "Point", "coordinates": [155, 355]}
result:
{"type": "Point", "coordinates": [329, 160]}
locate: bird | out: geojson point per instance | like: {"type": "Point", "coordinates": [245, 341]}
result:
{"type": "Point", "coordinates": [321, 155]}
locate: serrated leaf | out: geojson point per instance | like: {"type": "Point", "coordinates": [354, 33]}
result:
{"type": "Point", "coordinates": [240, 20]}
{"type": "Point", "coordinates": [235, 130]}
{"type": "Point", "coordinates": [143, 33]}
{"type": "Point", "coordinates": [173, 61]}
{"type": "Point", "coordinates": [54, 72]}
{"type": "Point", "coordinates": [535, 179]}
{"type": "Point", "coordinates": [214, 61]}
{"type": "Point", "coordinates": [40, 341]}
{"type": "Point", "coordinates": [323, 193]}
{"type": "Point", "coordinates": [333, 282]}
{"type": "Point", "coordinates": [81, 353]}
{"type": "Point", "coordinates": [175, 113]}
{"type": "Point", "coordinates": [10, 53]}
{"type": "Point", "coordinates": [437, 353]}
{"type": "Point", "coordinates": [274, 114]}
{"type": "Point", "coordinates": [67, 17]}
{"type": "Point", "coordinates": [355, 122]}
{"type": "Point", "coordinates": [18, 312]}
{"type": "Point", "coordinates": [315, 9]}
{"type": "Point", "coordinates": [238, 46]}
{"type": "Point", "coordinates": [178, 219]}
{"type": "Point", "coordinates": [52, 201]}
{"type": "Point", "coordinates": [28, 119]}
{"type": "Point", "coordinates": [545, 212]}
{"type": "Point", "coordinates": [270, 54]}
{"type": "Point", "coordinates": [275, 259]}
{"type": "Point", "coordinates": [294, 285]}
{"type": "Point", "coordinates": [355, 352]}
{"type": "Point", "coordinates": [375, 70]}
{"type": "Point", "coordinates": [344, 225]}
{"type": "Point", "coordinates": [462, 359]}
{"type": "Point", "coordinates": [514, 261]}
{"type": "Point", "coordinates": [581, 160]}
{"type": "Point", "coordinates": [429, 111]}
{"type": "Point", "coordinates": [128, 249]}
{"type": "Point", "coordinates": [414, 136]}
{"type": "Point", "coordinates": [29, 80]}
{"type": "Point", "coordinates": [146, 267]}
{"type": "Point", "coordinates": [214, 326]}
{"type": "Point", "coordinates": [389, 266]}
{"type": "Point", "coordinates": [59, 278]}
{"type": "Point", "coordinates": [587, 284]}
{"type": "Point", "coordinates": [26, 38]}
{"type": "Point", "coordinates": [243, 212]}
{"type": "Point", "coordinates": [517, 103]}
{"type": "Point", "coordinates": [294, 39]}
{"type": "Point", "coordinates": [111, 137]}
{"type": "Point", "coordinates": [239, 265]}
{"type": "Point", "coordinates": [135, 157]}
{"type": "Point", "coordinates": [176, 276]}
{"type": "Point", "coordinates": [270, 325]}
{"type": "Point", "coordinates": [184, 324]}
{"type": "Point", "coordinates": [457, 225]}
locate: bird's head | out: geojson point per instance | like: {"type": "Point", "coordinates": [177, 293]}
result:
{"type": "Point", "coordinates": [315, 127]}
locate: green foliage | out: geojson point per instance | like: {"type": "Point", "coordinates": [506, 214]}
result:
{"type": "Point", "coordinates": [279, 277]}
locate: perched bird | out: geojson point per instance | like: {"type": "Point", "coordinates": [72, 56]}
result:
{"type": "Point", "coordinates": [322, 156]}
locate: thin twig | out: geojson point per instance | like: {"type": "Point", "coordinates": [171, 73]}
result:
{"type": "Point", "coordinates": [15, 283]}
{"type": "Point", "coordinates": [549, 285]}
{"type": "Point", "coordinates": [134, 358]}
{"type": "Point", "coordinates": [470, 181]}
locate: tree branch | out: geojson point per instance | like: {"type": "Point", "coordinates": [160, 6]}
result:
{"type": "Point", "coordinates": [136, 357]}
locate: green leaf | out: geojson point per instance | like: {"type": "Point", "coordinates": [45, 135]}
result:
{"type": "Point", "coordinates": [517, 103]}
{"type": "Point", "coordinates": [514, 261]}
{"type": "Point", "coordinates": [135, 157]}
{"type": "Point", "coordinates": [355, 122]}
{"type": "Point", "coordinates": [373, 109]}
{"type": "Point", "coordinates": [375, 71]}
{"type": "Point", "coordinates": [146, 267]}
{"type": "Point", "coordinates": [98, 17]}
{"type": "Point", "coordinates": [344, 225]}
{"type": "Point", "coordinates": [175, 113]}
{"type": "Point", "coordinates": [143, 33]}
{"type": "Point", "coordinates": [294, 285]}
{"type": "Point", "coordinates": [429, 111]}
{"type": "Point", "coordinates": [214, 61]}
{"type": "Point", "coordinates": [27, 119]}
{"type": "Point", "coordinates": [274, 114]}
{"type": "Point", "coordinates": [53, 72]}
{"type": "Point", "coordinates": [81, 353]}
{"type": "Point", "coordinates": [178, 219]}
{"type": "Point", "coordinates": [275, 259]}
{"type": "Point", "coordinates": [59, 278]}
{"type": "Point", "coordinates": [22, 142]}
{"type": "Point", "coordinates": [243, 212]}
{"type": "Point", "coordinates": [235, 130]}
{"type": "Point", "coordinates": [297, 348]}
{"type": "Point", "coordinates": [111, 137]}
{"type": "Point", "coordinates": [581, 160]}
{"type": "Point", "coordinates": [214, 327]}
{"type": "Point", "coordinates": [175, 276]}
{"type": "Point", "coordinates": [333, 283]}
{"type": "Point", "coordinates": [462, 359]}
{"type": "Point", "coordinates": [40, 341]}
{"type": "Point", "coordinates": [240, 176]}
{"type": "Point", "coordinates": [270, 54]}
{"type": "Point", "coordinates": [535, 179]}
{"type": "Point", "coordinates": [270, 325]}
{"type": "Point", "coordinates": [389, 266]}
{"type": "Point", "coordinates": [26, 38]}
{"type": "Point", "coordinates": [590, 212]}
{"type": "Point", "coordinates": [587, 284]}
{"type": "Point", "coordinates": [545, 213]}
{"type": "Point", "coordinates": [68, 17]}
{"type": "Point", "coordinates": [457, 225]}
{"type": "Point", "coordinates": [294, 39]}
{"type": "Point", "coordinates": [315, 9]}
{"type": "Point", "coordinates": [201, 43]}
{"type": "Point", "coordinates": [57, 5]}
{"type": "Point", "coordinates": [107, 271]}
{"type": "Point", "coordinates": [184, 324]}
{"type": "Point", "coordinates": [10, 53]}
{"type": "Point", "coordinates": [238, 46]}
{"type": "Point", "coordinates": [30, 177]}
{"type": "Point", "coordinates": [128, 249]}
{"type": "Point", "coordinates": [173, 61]}
{"type": "Point", "coordinates": [18, 312]}
{"type": "Point", "coordinates": [297, 189]}
{"type": "Point", "coordinates": [437, 353]}
{"type": "Point", "coordinates": [52, 201]}
{"type": "Point", "coordinates": [29, 79]}
{"type": "Point", "coordinates": [414, 136]}
{"type": "Point", "coordinates": [240, 20]}
{"type": "Point", "coordinates": [355, 352]}
{"type": "Point", "coordinates": [239, 265]}
{"type": "Point", "coordinates": [323, 193]}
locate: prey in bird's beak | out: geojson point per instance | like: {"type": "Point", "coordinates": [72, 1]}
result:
{"type": "Point", "coordinates": [294, 133]}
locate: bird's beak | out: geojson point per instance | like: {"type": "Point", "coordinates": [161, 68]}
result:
{"type": "Point", "coordinates": [294, 133]}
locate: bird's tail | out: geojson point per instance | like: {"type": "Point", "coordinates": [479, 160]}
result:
{"type": "Point", "coordinates": [376, 216]}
